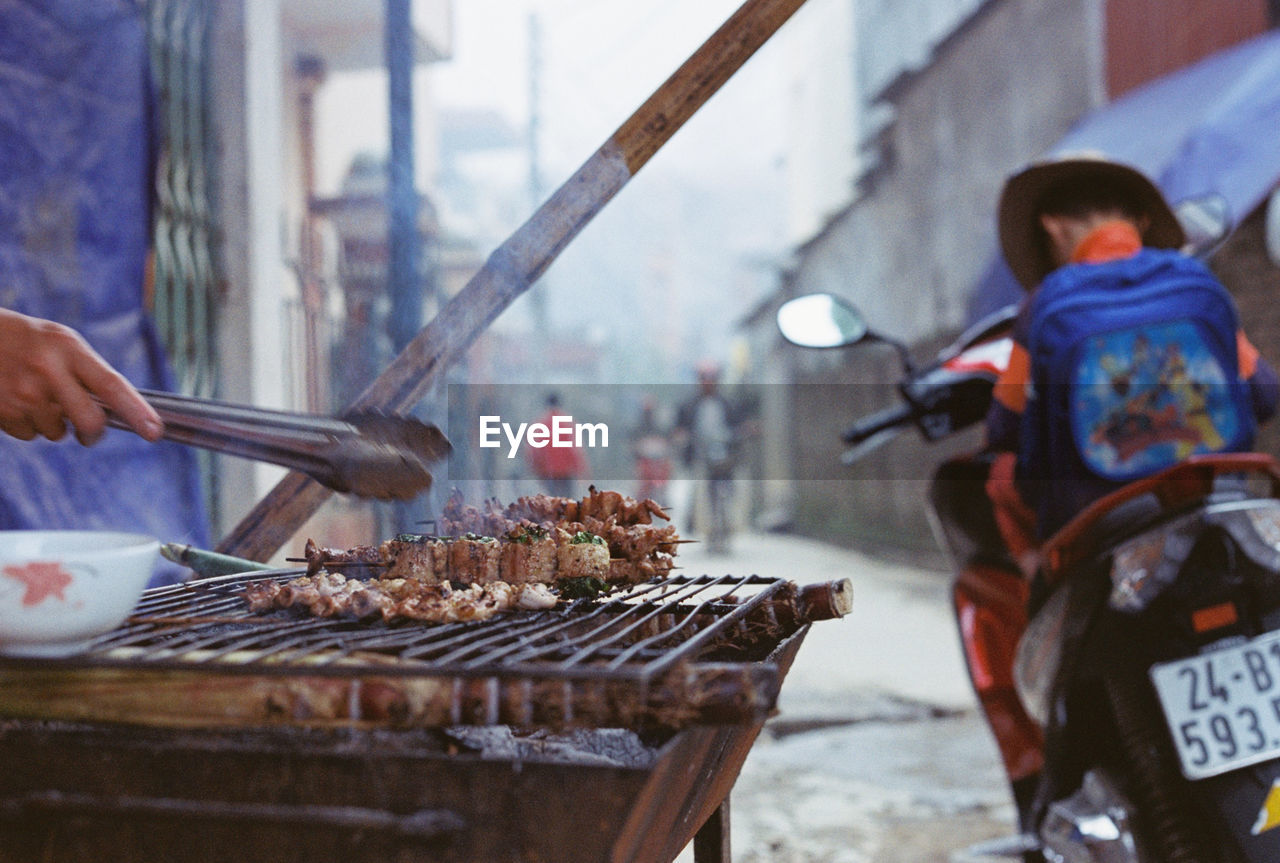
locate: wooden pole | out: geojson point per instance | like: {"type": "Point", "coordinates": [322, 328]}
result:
{"type": "Point", "coordinates": [526, 254]}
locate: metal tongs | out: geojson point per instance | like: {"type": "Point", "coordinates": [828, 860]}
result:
{"type": "Point", "coordinates": [366, 453]}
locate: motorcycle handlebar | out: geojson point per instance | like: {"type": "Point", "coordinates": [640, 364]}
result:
{"type": "Point", "coordinates": [872, 425]}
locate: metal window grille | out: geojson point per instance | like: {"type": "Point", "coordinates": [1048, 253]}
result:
{"type": "Point", "coordinates": [184, 266]}
{"type": "Point", "coordinates": [184, 279]}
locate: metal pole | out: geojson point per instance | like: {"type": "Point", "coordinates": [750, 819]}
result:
{"type": "Point", "coordinates": [404, 277]}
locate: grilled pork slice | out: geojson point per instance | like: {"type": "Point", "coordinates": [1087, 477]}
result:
{"type": "Point", "coordinates": [473, 559]}
{"type": "Point", "coordinates": [317, 556]}
{"type": "Point", "coordinates": [581, 555]}
{"type": "Point", "coordinates": [491, 518]}
{"type": "Point", "coordinates": [424, 558]}
{"type": "Point", "coordinates": [527, 555]}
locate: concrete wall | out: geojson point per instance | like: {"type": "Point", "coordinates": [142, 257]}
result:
{"type": "Point", "coordinates": [823, 115]}
{"type": "Point", "coordinates": [247, 84]}
{"type": "Point", "coordinates": [898, 36]}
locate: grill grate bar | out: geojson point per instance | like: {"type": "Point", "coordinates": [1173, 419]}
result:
{"type": "Point", "coordinates": [229, 605]}
{"type": "Point", "coordinates": [257, 651]}
{"type": "Point", "coordinates": [405, 641]}
{"type": "Point", "coordinates": [168, 633]}
{"type": "Point", "coordinates": [497, 644]}
{"type": "Point", "coordinates": [612, 614]}
{"type": "Point", "coordinates": [688, 623]}
{"type": "Point", "coordinates": [667, 607]}
{"type": "Point", "coordinates": [734, 619]}
{"type": "Point", "coordinates": [602, 645]}
{"type": "Point", "coordinates": [199, 645]}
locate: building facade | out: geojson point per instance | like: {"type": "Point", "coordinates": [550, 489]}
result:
{"type": "Point", "coordinates": [277, 261]}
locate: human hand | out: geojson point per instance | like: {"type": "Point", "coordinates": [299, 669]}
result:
{"type": "Point", "coordinates": [49, 376]}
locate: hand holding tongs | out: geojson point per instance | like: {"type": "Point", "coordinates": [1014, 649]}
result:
{"type": "Point", "coordinates": [366, 453]}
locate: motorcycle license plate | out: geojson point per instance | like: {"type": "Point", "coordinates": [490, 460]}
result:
{"type": "Point", "coordinates": [1223, 707]}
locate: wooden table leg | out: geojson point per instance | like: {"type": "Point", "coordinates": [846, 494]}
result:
{"type": "Point", "coordinates": [711, 842]}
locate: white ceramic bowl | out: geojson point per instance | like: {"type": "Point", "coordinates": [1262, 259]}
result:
{"type": "Point", "coordinates": [60, 589]}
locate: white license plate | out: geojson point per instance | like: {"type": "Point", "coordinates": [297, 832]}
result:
{"type": "Point", "coordinates": [1223, 707]}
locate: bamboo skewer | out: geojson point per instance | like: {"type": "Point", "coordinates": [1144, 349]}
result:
{"type": "Point", "coordinates": [522, 259]}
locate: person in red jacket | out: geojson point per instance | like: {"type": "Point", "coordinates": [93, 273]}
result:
{"type": "Point", "coordinates": [557, 466]}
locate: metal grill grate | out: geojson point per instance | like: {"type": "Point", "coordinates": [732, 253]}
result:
{"type": "Point", "coordinates": [641, 632]}
{"type": "Point", "coordinates": [670, 652]}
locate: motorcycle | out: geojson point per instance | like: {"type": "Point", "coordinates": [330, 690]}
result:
{"type": "Point", "coordinates": [1134, 694]}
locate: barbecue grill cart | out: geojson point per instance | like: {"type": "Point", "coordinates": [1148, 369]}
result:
{"type": "Point", "coordinates": [610, 729]}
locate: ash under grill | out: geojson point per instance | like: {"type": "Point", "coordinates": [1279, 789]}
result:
{"type": "Point", "coordinates": [665, 653]}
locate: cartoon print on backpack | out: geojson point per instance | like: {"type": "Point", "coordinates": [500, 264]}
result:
{"type": "Point", "coordinates": [1147, 398]}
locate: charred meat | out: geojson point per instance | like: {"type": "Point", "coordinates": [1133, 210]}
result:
{"type": "Point", "coordinates": [332, 595]}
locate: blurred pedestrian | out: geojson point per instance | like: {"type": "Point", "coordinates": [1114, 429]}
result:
{"type": "Point", "coordinates": [557, 464]}
{"type": "Point", "coordinates": [709, 427]}
{"type": "Point", "coordinates": [651, 448]}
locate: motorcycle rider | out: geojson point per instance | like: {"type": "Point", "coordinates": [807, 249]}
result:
{"type": "Point", "coordinates": [1055, 217]}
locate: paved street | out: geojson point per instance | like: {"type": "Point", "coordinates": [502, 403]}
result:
{"type": "Point", "coordinates": [878, 753]}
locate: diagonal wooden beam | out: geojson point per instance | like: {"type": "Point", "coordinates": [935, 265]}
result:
{"type": "Point", "coordinates": [525, 256]}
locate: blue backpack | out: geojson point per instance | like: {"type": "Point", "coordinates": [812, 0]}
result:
{"type": "Point", "coordinates": [1135, 366]}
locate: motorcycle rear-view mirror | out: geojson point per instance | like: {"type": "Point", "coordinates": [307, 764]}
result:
{"type": "Point", "coordinates": [821, 321]}
{"type": "Point", "coordinates": [1206, 221]}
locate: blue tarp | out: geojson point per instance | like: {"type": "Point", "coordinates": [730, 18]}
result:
{"type": "Point", "coordinates": [76, 156]}
{"type": "Point", "coordinates": [1212, 127]}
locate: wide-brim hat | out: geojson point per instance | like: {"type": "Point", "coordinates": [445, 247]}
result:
{"type": "Point", "coordinates": [1019, 209]}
